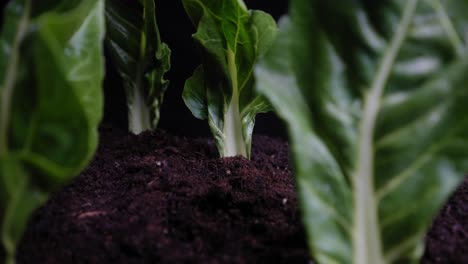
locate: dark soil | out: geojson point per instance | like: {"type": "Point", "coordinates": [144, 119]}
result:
{"type": "Point", "coordinates": [156, 198]}
{"type": "Point", "coordinates": [447, 240]}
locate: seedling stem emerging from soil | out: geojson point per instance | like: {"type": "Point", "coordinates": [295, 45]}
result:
{"type": "Point", "coordinates": [235, 142]}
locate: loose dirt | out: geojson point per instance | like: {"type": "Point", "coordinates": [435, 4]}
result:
{"type": "Point", "coordinates": [156, 198]}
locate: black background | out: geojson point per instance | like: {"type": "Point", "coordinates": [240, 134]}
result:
{"type": "Point", "coordinates": [176, 31]}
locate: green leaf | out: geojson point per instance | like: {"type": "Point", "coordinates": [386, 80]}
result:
{"type": "Point", "coordinates": [21, 200]}
{"type": "Point", "coordinates": [51, 71]}
{"type": "Point", "coordinates": [231, 39]}
{"type": "Point", "coordinates": [374, 97]}
{"type": "Point", "coordinates": [140, 57]}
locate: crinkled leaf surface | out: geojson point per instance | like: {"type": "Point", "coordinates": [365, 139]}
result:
{"type": "Point", "coordinates": [231, 39]}
{"type": "Point", "coordinates": [374, 94]}
{"type": "Point", "coordinates": [51, 70]}
{"type": "Point", "coordinates": [140, 57]}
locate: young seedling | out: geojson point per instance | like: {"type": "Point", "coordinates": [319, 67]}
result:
{"type": "Point", "coordinates": [140, 57]}
{"type": "Point", "coordinates": [231, 39]}
{"type": "Point", "coordinates": [375, 100]}
{"type": "Point", "coordinates": [51, 70]}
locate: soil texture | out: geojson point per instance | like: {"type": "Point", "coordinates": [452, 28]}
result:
{"type": "Point", "coordinates": [447, 240]}
{"type": "Point", "coordinates": [156, 198]}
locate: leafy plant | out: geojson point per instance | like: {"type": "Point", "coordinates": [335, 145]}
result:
{"type": "Point", "coordinates": [140, 57]}
{"type": "Point", "coordinates": [374, 94]}
{"type": "Point", "coordinates": [231, 39]}
{"type": "Point", "coordinates": [51, 70]}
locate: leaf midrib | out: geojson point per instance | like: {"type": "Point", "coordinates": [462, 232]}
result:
{"type": "Point", "coordinates": [11, 73]}
{"type": "Point", "coordinates": [367, 248]}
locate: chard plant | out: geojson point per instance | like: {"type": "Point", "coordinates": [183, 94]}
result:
{"type": "Point", "coordinates": [374, 95]}
{"type": "Point", "coordinates": [51, 70]}
{"type": "Point", "coordinates": [231, 39]}
{"type": "Point", "coordinates": [140, 57]}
